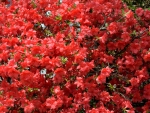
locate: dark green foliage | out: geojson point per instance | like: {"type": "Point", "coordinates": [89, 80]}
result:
{"type": "Point", "coordinates": [81, 111]}
{"type": "Point", "coordinates": [93, 102]}
{"type": "Point", "coordinates": [133, 4]}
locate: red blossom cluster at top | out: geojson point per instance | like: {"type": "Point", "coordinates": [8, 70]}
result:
{"type": "Point", "coordinates": [74, 56]}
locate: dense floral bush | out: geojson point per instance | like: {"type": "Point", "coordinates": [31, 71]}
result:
{"type": "Point", "coordinates": [74, 56]}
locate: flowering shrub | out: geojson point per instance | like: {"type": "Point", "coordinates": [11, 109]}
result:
{"type": "Point", "coordinates": [71, 56]}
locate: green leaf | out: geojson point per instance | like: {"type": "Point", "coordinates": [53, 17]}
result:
{"type": "Point", "coordinates": [123, 12]}
{"type": "Point", "coordinates": [148, 8]}
{"type": "Point", "coordinates": [50, 75]}
{"type": "Point", "coordinates": [48, 33]}
{"type": "Point", "coordinates": [58, 17]}
{"type": "Point", "coordinates": [32, 89]}
{"type": "Point", "coordinates": [93, 102]}
{"type": "Point", "coordinates": [74, 6]}
{"type": "Point", "coordinates": [16, 11]}
{"type": "Point", "coordinates": [134, 33]}
{"type": "Point", "coordinates": [64, 60]}
{"type": "Point", "coordinates": [1, 92]}
{"type": "Point", "coordinates": [33, 4]}
{"type": "Point", "coordinates": [111, 87]}
{"type": "Point", "coordinates": [124, 110]}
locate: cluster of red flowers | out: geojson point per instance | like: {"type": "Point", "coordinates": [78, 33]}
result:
{"type": "Point", "coordinates": [74, 56]}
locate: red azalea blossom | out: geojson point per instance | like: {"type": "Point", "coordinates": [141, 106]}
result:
{"type": "Point", "coordinates": [52, 103]}
{"type": "Point", "coordinates": [147, 57]}
{"type": "Point", "coordinates": [73, 56]}
{"type": "Point", "coordinates": [59, 75]}
{"type": "Point", "coordinates": [26, 76]}
{"type": "Point", "coordinates": [125, 36]}
{"type": "Point", "coordinates": [29, 108]}
{"type": "Point", "coordinates": [105, 97]}
{"type": "Point", "coordinates": [147, 92]}
{"type": "Point", "coordinates": [139, 11]}
{"type": "Point", "coordinates": [113, 28]}
{"type": "Point", "coordinates": [13, 73]}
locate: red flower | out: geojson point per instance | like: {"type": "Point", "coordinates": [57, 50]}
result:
{"type": "Point", "coordinates": [101, 79]}
{"type": "Point", "coordinates": [17, 56]}
{"type": "Point", "coordinates": [29, 108]}
{"type": "Point", "coordinates": [125, 36]}
{"type": "Point", "coordinates": [36, 103]}
{"type": "Point", "coordinates": [147, 57]}
{"type": "Point", "coordinates": [117, 99]}
{"type": "Point", "coordinates": [147, 14]}
{"type": "Point", "coordinates": [129, 14]}
{"type": "Point", "coordinates": [26, 77]}
{"type": "Point", "coordinates": [81, 55]}
{"type": "Point", "coordinates": [50, 103]}
{"type": "Point", "coordinates": [36, 50]}
{"type": "Point", "coordinates": [12, 72]}
{"type": "Point", "coordinates": [113, 28]}
{"type": "Point", "coordinates": [13, 41]}
{"type": "Point", "coordinates": [102, 109]}
{"type": "Point", "coordinates": [9, 102]}
{"type": "Point", "coordinates": [94, 110]}
{"type": "Point", "coordinates": [139, 11]}
{"type": "Point", "coordinates": [59, 37]}
{"type": "Point", "coordinates": [79, 82]}
{"type": "Point", "coordinates": [53, 103]}
{"type": "Point", "coordinates": [3, 109]}
{"type": "Point", "coordinates": [135, 47]}
{"type": "Point", "coordinates": [85, 67]}
{"type": "Point", "coordinates": [134, 81]}
{"type": "Point", "coordinates": [120, 44]}
{"type": "Point", "coordinates": [146, 107]}
{"type": "Point", "coordinates": [147, 92]}
{"type": "Point", "coordinates": [4, 55]}
{"type": "Point", "coordinates": [104, 96]}
{"type": "Point", "coordinates": [105, 72]}
{"type": "Point", "coordinates": [103, 38]}
{"type": "Point", "coordinates": [59, 75]}
{"type": "Point", "coordinates": [137, 97]}
{"type": "Point", "coordinates": [111, 46]}
{"type": "Point", "coordinates": [45, 61]}
{"type": "Point", "coordinates": [34, 61]}
{"type": "Point", "coordinates": [127, 105]}
{"type": "Point", "coordinates": [31, 33]}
